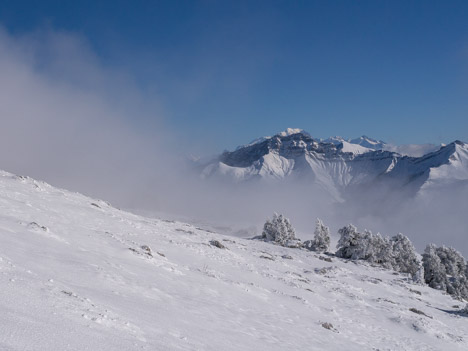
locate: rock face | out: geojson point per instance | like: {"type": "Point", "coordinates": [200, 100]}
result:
{"type": "Point", "coordinates": [338, 165]}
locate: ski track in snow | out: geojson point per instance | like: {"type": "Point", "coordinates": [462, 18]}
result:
{"type": "Point", "coordinates": [75, 275]}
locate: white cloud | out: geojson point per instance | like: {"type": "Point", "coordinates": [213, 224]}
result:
{"type": "Point", "coordinates": [67, 119]}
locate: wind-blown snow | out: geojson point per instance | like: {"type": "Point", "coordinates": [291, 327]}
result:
{"type": "Point", "coordinates": [78, 274]}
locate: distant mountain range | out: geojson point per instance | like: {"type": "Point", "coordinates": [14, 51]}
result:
{"type": "Point", "coordinates": [340, 166]}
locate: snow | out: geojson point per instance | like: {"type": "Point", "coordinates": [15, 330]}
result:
{"type": "Point", "coordinates": [456, 167]}
{"type": "Point", "coordinates": [368, 142]}
{"type": "Point", "coordinates": [284, 133]}
{"type": "Point", "coordinates": [364, 141]}
{"type": "Point", "coordinates": [290, 131]}
{"type": "Point", "coordinates": [354, 148]}
{"type": "Point", "coordinates": [75, 274]}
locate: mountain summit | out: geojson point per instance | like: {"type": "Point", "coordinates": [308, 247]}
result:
{"type": "Point", "coordinates": [337, 164]}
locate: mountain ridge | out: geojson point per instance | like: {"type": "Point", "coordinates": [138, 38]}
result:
{"type": "Point", "coordinates": [336, 163]}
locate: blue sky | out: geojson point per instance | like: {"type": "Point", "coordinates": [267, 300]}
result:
{"type": "Point", "coordinates": [227, 72]}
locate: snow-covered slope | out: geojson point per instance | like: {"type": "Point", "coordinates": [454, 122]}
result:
{"type": "Point", "coordinates": [338, 165]}
{"type": "Point", "coordinates": [368, 143]}
{"type": "Point", "coordinates": [78, 274]}
{"type": "Point", "coordinates": [364, 141]}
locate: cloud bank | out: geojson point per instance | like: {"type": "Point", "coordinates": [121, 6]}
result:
{"type": "Point", "coordinates": [69, 120]}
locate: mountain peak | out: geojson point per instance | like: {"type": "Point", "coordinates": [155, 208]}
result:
{"type": "Point", "coordinates": [368, 142]}
{"type": "Point", "coordinates": [292, 131]}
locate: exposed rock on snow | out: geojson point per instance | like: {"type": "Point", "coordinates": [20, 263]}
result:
{"type": "Point", "coordinates": [217, 244]}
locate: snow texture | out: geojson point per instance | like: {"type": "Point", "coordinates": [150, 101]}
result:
{"type": "Point", "coordinates": [78, 274]}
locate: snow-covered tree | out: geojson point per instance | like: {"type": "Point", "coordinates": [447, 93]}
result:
{"type": "Point", "coordinates": [404, 257]}
{"type": "Point", "coordinates": [364, 246]}
{"type": "Point", "coordinates": [452, 260]}
{"type": "Point", "coordinates": [418, 277]}
{"type": "Point", "coordinates": [349, 243]}
{"type": "Point", "coordinates": [279, 230]}
{"type": "Point", "coordinates": [377, 249]}
{"type": "Point", "coordinates": [455, 268]}
{"type": "Point", "coordinates": [321, 241]}
{"type": "Point", "coordinates": [434, 271]}
{"type": "Point", "coordinates": [396, 253]}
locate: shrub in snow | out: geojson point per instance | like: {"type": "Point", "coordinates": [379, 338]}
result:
{"type": "Point", "coordinates": [321, 241]}
{"type": "Point", "coordinates": [217, 244]}
{"type": "Point", "coordinates": [446, 270]}
{"type": "Point", "coordinates": [280, 230]}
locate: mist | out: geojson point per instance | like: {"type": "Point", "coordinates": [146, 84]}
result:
{"type": "Point", "coordinates": [71, 121]}
{"type": "Point", "coordinates": [67, 119]}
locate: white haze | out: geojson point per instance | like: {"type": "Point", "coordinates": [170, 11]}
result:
{"type": "Point", "coordinates": [75, 123]}
{"type": "Point", "coordinates": [67, 119]}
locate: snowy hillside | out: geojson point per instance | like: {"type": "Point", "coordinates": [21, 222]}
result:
{"type": "Point", "coordinates": [338, 165]}
{"type": "Point", "coordinates": [78, 274]}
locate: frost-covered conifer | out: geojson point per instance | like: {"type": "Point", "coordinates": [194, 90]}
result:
{"type": "Point", "coordinates": [452, 260]}
{"type": "Point", "coordinates": [279, 230]}
{"type": "Point", "coordinates": [418, 277]}
{"type": "Point", "coordinates": [363, 246]}
{"type": "Point", "coordinates": [434, 271]}
{"type": "Point", "coordinates": [348, 244]}
{"type": "Point", "coordinates": [321, 241]}
{"type": "Point", "coordinates": [403, 257]}
{"type": "Point", "coordinates": [455, 268]}
{"type": "Point", "coordinates": [396, 253]}
{"type": "Point", "coordinates": [377, 249]}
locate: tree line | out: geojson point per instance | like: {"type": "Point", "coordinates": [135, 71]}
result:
{"type": "Point", "coordinates": [442, 268]}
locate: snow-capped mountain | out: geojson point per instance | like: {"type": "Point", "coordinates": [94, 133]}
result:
{"type": "Point", "coordinates": [363, 141]}
{"type": "Point", "coordinates": [79, 274]}
{"type": "Point", "coordinates": [369, 143]}
{"type": "Point", "coordinates": [337, 164]}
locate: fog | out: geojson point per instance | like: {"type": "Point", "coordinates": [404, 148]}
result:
{"type": "Point", "coordinates": [67, 119]}
{"type": "Point", "coordinates": [77, 124]}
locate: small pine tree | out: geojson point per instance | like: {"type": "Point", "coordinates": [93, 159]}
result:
{"type": "Point", "coordinates": [418, 277]}
{"type": "Point", "coordinates": [269, 230]}
{"type": "Point", "coordinates": [452, 260]}
{"type": "Point", "coordinates": [321, 241]}
{"type": "Point", "coordinates": [348, 244]}
{"type": "Point", "coordinates": [396, 253]}
{"type": "Point", "coordinates": [434, 271]}
{"type": "Point", "coordinates": [404, 258]}
{"type": "Point", "coordinates": [455, 268]}
{"type": "Point", "coordinates": [279, 230]}
{"type": "Point", "coordinates": [375, 248]}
